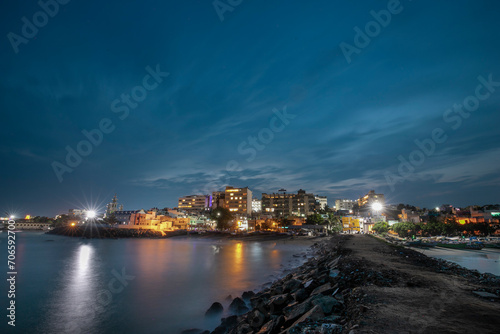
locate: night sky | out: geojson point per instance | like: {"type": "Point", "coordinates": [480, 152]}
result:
{"type": "Point", "coordinates": [187, 98]}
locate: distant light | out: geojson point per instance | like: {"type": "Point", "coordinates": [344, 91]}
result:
{"type": "Point", "coordinates": [28, 217]}
{"type": "Point", "coordinates": [12, 217]}
{"type": "Point", "coordinates": [377, 206]}
{"type": "Point", "coordinates": [91, 214]}
{"type": "Point", "coordinates": [72, 224]}
{"type": "Point", "coordinates": [437, 208]}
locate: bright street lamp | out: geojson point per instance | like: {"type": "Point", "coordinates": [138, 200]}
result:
{"type": "Point", "coordinates": [377, 206]}
{"type": "Point", "coordinates": [91, 214]}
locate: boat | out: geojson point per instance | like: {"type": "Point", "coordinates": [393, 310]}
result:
{"type": "Point", "coordinates": [420, 243]}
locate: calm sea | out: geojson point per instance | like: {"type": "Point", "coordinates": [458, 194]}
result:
{"type": "Point", "coordinates": [70, 285]}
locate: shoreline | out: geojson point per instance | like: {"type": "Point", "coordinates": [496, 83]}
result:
{"type": "Point", "coordinates": [361, 284]}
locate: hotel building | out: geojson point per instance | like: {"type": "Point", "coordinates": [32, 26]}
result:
{"type": "Point", "coordinates": [283, 204]}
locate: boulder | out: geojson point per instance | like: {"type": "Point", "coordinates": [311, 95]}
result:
{"type": "Point", "coordinates": [272, 326]}
{"type": "Point", "coordinates": [322, 289]}
{"type": "Point", "coordinates": [277, 303]}
{"type": "Point", "coordinates": [238, 306]}
{"type": "Point", "coordinates": [300, 295]}
{"type": "Point", "coordinates": [313, 314]}
{"type": "Point", "coordinates": [291, 285]}
{"type": "Point", "coordinates": [247, 295]}
{"type": "Point", "coordinates": [214, 310]}
{"type": "Point", "coordinates": [326, 303]}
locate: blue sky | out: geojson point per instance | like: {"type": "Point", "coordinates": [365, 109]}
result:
{"type": "Point", "coordinates": [352, 120]}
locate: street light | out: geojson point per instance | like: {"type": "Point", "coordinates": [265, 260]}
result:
{"type": "Point", "coordinates": [377, 206]}
{"type": "Point", "coordinates": [91, 214]}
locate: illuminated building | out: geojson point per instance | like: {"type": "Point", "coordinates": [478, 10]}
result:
{"type": "Point", "coordinates": [344, 204]}
{"type": "Point", "coordinates": [238, 200]}
{"type": "Point", "coordinates": [370, 198]}
{"type": "Point", "coordinates": [195, 203]}
{"type": "Point", "coordinates": [256, 205]}
{"type": "Point", "coordinates": [283, 204]}
{"type": "Point", "coordinates": [322, 200]}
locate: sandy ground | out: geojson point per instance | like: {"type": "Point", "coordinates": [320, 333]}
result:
{"type": "Point", "coordinates": [418, 299]}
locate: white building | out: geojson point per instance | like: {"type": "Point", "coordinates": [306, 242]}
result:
{"type": "Point", "coordinates": [256, 205]}
{"type": "Point", "coordinates": [322, 200]}
{"type": "Point", "coordinates": [344, 204]}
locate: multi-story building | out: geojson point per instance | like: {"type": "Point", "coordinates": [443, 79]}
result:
{"type": "Point", "coordinates": [238, 200]}
{"type": "Point", "coordinates": [283, 204]}
{"type": "Point", "coordinates": [369, 199]}
{"type": "Point", "coordinates": [77, 212]}
{"type": "Point", "coordinates": [123, 217]}
{"type": "Point", "coordinates": [195, 204]}
{"type": "Point", "coordinates": [256, 205]}
{"type": "Point", "coordinates": [322, 200]}
{"type": "Point", "coordinates": [218, 199]}
{"type": "Point", "coordinates": [344, 204]}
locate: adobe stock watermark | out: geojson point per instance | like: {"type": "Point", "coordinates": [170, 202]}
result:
{"type": "Point", "coordinates": [254, 144]}
{"type": "Point", "coordinates": [120, 106]}
{"type": "Point", "coordinates": [223, 6]}
{"type": "Point", "coordinates": [104, 297]}
{"type": "Point", "coordinates": [454, 117]}
{"type": "Point", "coordinates": [30, 28]}
{"type": "Point", "coordinates": [372, 29]}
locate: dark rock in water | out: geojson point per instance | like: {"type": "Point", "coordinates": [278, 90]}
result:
{"type": "Point", "coordinates": [230, 321]}
{"type": "Point", "coordinates": [242, 310]}
{"type": "Point", "coordinates": [229, 298]}
{"type": "Point", "coordinates": [247, 295]}
{"type": "Point", "coordinates": [214, 310]}
{"type": "Point", "coordinates": [237, 306]}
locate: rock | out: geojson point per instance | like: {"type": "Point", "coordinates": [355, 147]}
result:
{"type": "Point", "coordinates": [273, 326]}
{"type": "Point", "coordinates": [242, 328]}
{"type": "Point", "coordinates": [214, 310]}
{"type": "Point", "coordinates": [322, 289]}
{"type": "Point", "coordinates": [334, 273]}
{"type": "Point", "coordinates": [238, 306]}
{"type": "Point", "coordinates": [326, 303]}
{"type": "Point", "coordinates": [308, 283]}
{"type": "Point", "coordinates": [277, 291]}
{"type": "Point", "coordinates": [300, 295]}
{"type": "Point", "coordinates": [291, 285]}
{"type": "Point", "coordinates": [247, 295]}
{"type": "Point", "coordinates": [485, 294]}
{"type": "Point", "coordinates": [256, 318]}
{"type": "Point", "coordinates": [313, 314]}
{"type": "Point", "coordinates": [294, 312]}
{"type": "Point", "coordinates": [229, 298]}
{"type": "Point", "coordinates": [230, 321]}
{"type": "Point", "coordinates": [277, 303]}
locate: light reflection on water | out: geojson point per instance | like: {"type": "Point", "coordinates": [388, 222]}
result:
{"type": "Point", "coordinates": [65, 287]}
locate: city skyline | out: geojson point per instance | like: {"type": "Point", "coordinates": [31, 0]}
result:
{"type": "Point", "coordinates": [167, 99]}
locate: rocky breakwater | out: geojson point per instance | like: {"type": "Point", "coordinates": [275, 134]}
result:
{"type": "Point", "coordinates": [308, 300]}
